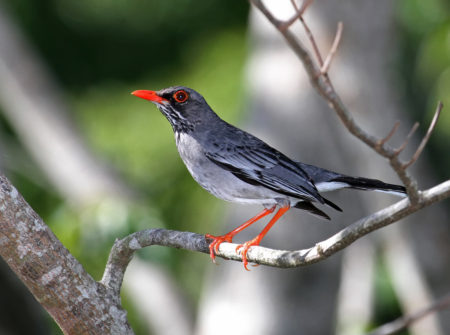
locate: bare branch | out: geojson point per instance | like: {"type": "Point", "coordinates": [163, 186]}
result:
{"type": "Point", "coordinates": [310, 35]}
{"type": "Point", "coordinates": [427, 136]}
{"type": "Point", "coordinates": [404, 322]}
{"type": "Point", "coordinates": [324, 87]}
{"type": "Point", "coordinates": [312, 40]}
{"type": "Point", "coordinates": [59, 280]}
{"type": "Point", "coordinates": [337, 39]}
{"type": "Point", "coordinates": [124, 249]}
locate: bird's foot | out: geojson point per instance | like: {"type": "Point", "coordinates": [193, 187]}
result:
{"type": "Point", "coordinates": [243, 249]}
{"type": "Point", "coordinates": [217, 241]}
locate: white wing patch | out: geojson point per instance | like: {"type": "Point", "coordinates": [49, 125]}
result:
{"type": "Point", "coordinates": [328, 186]}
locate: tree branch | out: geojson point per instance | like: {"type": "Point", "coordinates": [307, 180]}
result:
{"type": "Point", "coordinates": [426, 137]}
{"type": "Point", "coordinates": [324, 87]}
{"type": "Point", "coordinates": [299, 12]}
{"type": "Point", "coordinates": [57, 280]}
{"type": "Point", "coordinates": [123, 249]}
{"type": "Point", "coordinates": [310, 35]}
{"type": "Point", "coordinates": [384, 140]}
{"type": "Point", "coordinates": [337, 39]}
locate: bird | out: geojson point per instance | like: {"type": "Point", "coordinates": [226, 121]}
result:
{"type": "Point", "coordinates": [237, 166]}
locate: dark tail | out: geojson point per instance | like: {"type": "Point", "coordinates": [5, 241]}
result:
{"type": "Point", "coordinates": [309, 207]}
{"type": "Point", "coordinates": [358, 183]}
{"type": "Point", "coordinates": [370, 184]}
{"type": "Point", "coordinates": [327, 180]}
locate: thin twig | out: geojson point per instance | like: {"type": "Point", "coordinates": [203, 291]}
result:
{"type": "Point", "coordinates": [286, 24]}
{"type": "Point", "coordinates": [310, 35]}
{"type": "Point", "coordinates": [337, 39]}
{"type": "Point", "coordinates": [305, 5]}
{"type": "Point", "coordinates": [404, 322]}
{"type": "Point", "coordinates": [382, 141]}
{"type": "Point", "coordinates": [427, 135]}
{"type": "Point", "coordinates": [405, 142]}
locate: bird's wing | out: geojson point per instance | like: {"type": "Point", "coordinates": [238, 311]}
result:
{"type": "Point", "coordinates": [257, 163]}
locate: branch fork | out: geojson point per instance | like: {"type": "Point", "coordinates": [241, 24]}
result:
{"type": "Point", "coordinates": [316, 69]}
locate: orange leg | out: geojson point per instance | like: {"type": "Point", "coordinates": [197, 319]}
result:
{"type": "Point", "coordinates": [261, 235]}
{"type": "Point", "coordinates": [217, 240]}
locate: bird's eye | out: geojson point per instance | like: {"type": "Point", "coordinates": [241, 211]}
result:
{"type": "Point", "coordinates": [180, 96]}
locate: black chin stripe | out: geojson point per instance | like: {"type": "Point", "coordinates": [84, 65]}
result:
{"type": "Point", "coordinates": [178, 122]}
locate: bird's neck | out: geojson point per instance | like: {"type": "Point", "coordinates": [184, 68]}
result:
{"type": "Point", "coordinates": [181, 127]}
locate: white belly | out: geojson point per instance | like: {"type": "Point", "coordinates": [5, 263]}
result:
{"type": "Point", "coordinates": [220, 182]}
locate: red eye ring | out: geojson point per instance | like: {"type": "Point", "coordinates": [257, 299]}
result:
{"type": "Point", "coordinates": [180, 96]}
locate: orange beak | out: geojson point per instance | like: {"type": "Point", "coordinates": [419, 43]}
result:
{"type": "Point", "coordinates": [149, 95]}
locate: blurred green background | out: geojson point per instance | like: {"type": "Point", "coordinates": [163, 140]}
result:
{"type": "Point", "coordinates": [424, 64]}
{"type": "Point", "coordinates": [99, 51]}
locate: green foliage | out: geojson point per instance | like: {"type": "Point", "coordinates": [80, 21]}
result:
{"type": "Point", "coordinates": [90, 42]}
{"type": "Point", "coordinates": [132, 133]}
{"type": "Point", "coordinates": [421, 17]}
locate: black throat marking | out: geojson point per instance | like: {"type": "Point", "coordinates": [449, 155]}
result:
{"type": "Point", "coordinates": [179, 123]}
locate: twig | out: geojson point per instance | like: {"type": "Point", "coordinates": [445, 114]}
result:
{"type": "Point", "coordinates": [334, 47]}
{"type": "Point", "coordinates": [408, 137]}
{"type": "Point", "coordinates": [384, 140]}
{"type": "Point", "coordinates": [427, 136]}
{"type": "Point", "coordinates": [404, 322]}
{"type": "Point", "coordinates": [310, 35]}
{"type": "Point", "coordinates": [286, 24]}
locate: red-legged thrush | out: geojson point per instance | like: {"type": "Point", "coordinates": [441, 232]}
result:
{"type": "Point", "coordinates": [236, 166]}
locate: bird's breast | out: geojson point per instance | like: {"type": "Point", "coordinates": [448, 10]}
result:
{"type": "Point", "coordinates": [205, 172]}
{"type": "Point", "coordinates": [191, 153]}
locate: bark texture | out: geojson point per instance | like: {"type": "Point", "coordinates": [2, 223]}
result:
{"type": "Point", "coordinates": [58, 281]}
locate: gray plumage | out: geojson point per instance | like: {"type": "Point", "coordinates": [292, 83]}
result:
{"type": "Point", "coordinates": [236, 166]}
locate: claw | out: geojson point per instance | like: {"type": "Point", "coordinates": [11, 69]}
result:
{"type": "Point", "coordinates": [217, 241]}
{"type": "Point", "coordinates": [245, 246]}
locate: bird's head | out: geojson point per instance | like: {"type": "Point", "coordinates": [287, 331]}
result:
{"type": "Point", "coordinates": [183, 107]}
